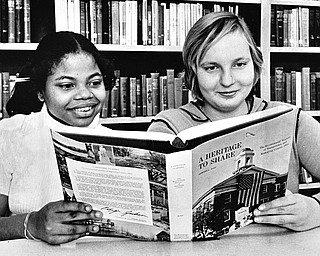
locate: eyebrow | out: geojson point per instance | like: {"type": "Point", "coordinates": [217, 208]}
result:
{"type": "Point", "coordinates": [215, 62]}
{"type": "Point", "coordinates": [72, 78]}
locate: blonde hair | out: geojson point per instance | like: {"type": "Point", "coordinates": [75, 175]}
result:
{"type": "Point", "coordinates": [204, 33]}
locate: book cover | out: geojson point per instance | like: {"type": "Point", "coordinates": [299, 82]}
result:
{"type": "Point", "coordinates": [177, 92]}
{"type": "Point", "coordinates": [201, 184]}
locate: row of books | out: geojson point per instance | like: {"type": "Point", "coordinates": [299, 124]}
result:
{"type": "Point", "coordinates": [132, 22]}
{"type": "Point", "coordinates": [15, 24]}
{"type": "Point", "coordinates": [298, 87]}
{"type": "Point", "coordinates": [295, 27]}
{"type": "Point", "coordinates": [145, 95]}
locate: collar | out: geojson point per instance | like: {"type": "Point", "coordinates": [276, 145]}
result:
{"type": "Point", "coordinates": [54, 123]}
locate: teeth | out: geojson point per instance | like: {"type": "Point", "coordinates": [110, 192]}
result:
{"type": "Point", "coordinates": [83, 109]}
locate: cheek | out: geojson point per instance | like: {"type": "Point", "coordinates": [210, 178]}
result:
{"type": "Point", "coordinates": [100, 94]}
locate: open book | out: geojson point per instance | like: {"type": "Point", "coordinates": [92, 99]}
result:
{"type": "Point", "coordinates": [200, 184]}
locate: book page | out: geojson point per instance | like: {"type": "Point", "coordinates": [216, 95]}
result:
{"type": "Point", "coordinates": [121, 193]}
{"type": "Point", "coordinates": [129, 185]}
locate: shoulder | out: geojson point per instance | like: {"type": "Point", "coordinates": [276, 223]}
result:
{"type": "Point", "coordinates": [177, 120]}
{"type": "Point", "coordinates": [21, 123]}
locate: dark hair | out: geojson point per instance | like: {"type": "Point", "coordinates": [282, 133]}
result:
{"type": "Point", "coordinates": [204, 33]}
{"type": "Point", "coordinates": [51, 50]}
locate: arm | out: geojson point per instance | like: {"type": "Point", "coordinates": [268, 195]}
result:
{"type": "Point", "coordinates": [296, 211]}
{"type": "Point", "coordinates": [51, 223]}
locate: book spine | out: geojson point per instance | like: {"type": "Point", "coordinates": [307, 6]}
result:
{"type": "Point", "coordinates": [133, 96]}
{"type": "Point", "coordinates": [11, 21]}
{"type": "Point", "coordinates": [177, 92]}
{"type": "Point", "coordinates": [279, 84]}
{"type": "Point", "coordinates": [115, 22]}
{"type": "Point", "coordinates": [114, 104]}
{"type": "Point", "coordinates": [155, 93]}
{"type": "Point", "coordinates": [305, 27]}
{"type": "Point", "coordinates": [305, 88]}
{"type": "Point", "coordinates": [93, 21]}
{"type": "Point", "coordinates": [27, 23]}
{"type": "Point", "coordinates": [313, 92]}
{"type": "Point", "coordinates": [134, 23]}
{"type": "Point", "coordinates": [61, 15]}
{"type": "Point", "coordinates": [144, 94]}
{"type": "Point", "coordinates": [123, 91]}
{"type": "Point", "coordinates": [128, 22]}
{"type": "Point", "coordinates": [317, 90]}
{"type": "Point", "coordinates": [99, 21]}
{"type": "Point", "coordinates": [149, 96]}
{"type": "Point", "coordinates": [70, 15]}
{"type": "Point", "coordinates": [4, 21]}
{"type": "Point", "coordinates": [155, 21]}
{"type": "Point", "coordinates": [77, 28]}
{"type": "Point", "coordinates": [170, 88]}
{"type": "Point", "coordinates": [139, 97]}
{"type": "Point", "coordinates": [5, 93]}
{"type": "Point", "coordinates": [105, 106]}
{"type": "Point", "coordinates": [19, 21]}
{"type": "Point", "coordinates": [83, 18]}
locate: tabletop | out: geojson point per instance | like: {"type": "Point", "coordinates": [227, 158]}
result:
{"type": "Point", "coordinates": [254, 239]}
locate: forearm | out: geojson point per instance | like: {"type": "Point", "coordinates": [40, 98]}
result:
{"type": "Point", "coordinates": [12, 227]}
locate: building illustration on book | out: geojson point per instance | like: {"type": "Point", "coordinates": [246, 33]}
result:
{"type": "Point", "coordinates": [228, 205]}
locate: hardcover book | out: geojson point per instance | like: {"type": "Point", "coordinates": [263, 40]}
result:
{"type": "Point", "coordinates": [200, 184]}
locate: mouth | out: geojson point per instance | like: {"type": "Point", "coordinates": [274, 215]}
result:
{"type": "Point", "coordinates": [83, 109]}
{"type": "Point", "coordinates": [228, 94]}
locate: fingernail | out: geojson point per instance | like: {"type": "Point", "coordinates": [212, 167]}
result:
{"type": "Point", "coordinates": [88, 208]}
{"type": "Point", "coordinates": [261, 207]}
{"type": "Point", "coordinates": [95, 229]}
{"type": "Point", "coordinates": [256, 212]}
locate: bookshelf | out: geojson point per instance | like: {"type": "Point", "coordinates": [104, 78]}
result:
{"type": "Point", "coordinates": [257, 14]}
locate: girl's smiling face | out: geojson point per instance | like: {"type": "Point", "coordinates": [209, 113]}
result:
{"type": "Point", "coordinates": [75, 91]}
{"type": "Point", "coordinates": [226, 76]}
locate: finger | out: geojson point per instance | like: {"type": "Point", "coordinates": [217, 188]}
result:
{"type": "Point", "coordinates": [78, 216]}
{"type": "Point", "coordinates": [280, 220]}
{"type": "Point", "coordinates": [281, 210]}
{"type": "Point", "coordinates": [65, 206]}
{"type": "Point", "coordinates": [74, 229]}
{"type": "Point", "coordinates": [279, 202]}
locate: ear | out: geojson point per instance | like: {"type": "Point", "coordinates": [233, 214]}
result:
{"type": "Point", "coordinates": [40, 96]}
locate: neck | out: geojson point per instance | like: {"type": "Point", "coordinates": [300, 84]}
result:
{"type": "Point", "coordinates": [213, 114]}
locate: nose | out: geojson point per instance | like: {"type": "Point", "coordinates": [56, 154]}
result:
{"type": "Point", "coordinates": [83, 92]}
{"type": "Point", "coordinates": [226, 78]}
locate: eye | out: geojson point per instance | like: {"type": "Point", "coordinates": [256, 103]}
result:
{"type": "Point", "coordinates": [211, 68]}
{"type": "Point", "coordinates": [240, 64]}
{"type": "Point", "coordinates": [67, 86]}
{"type": "Point", "coordinates": [95, 83]}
